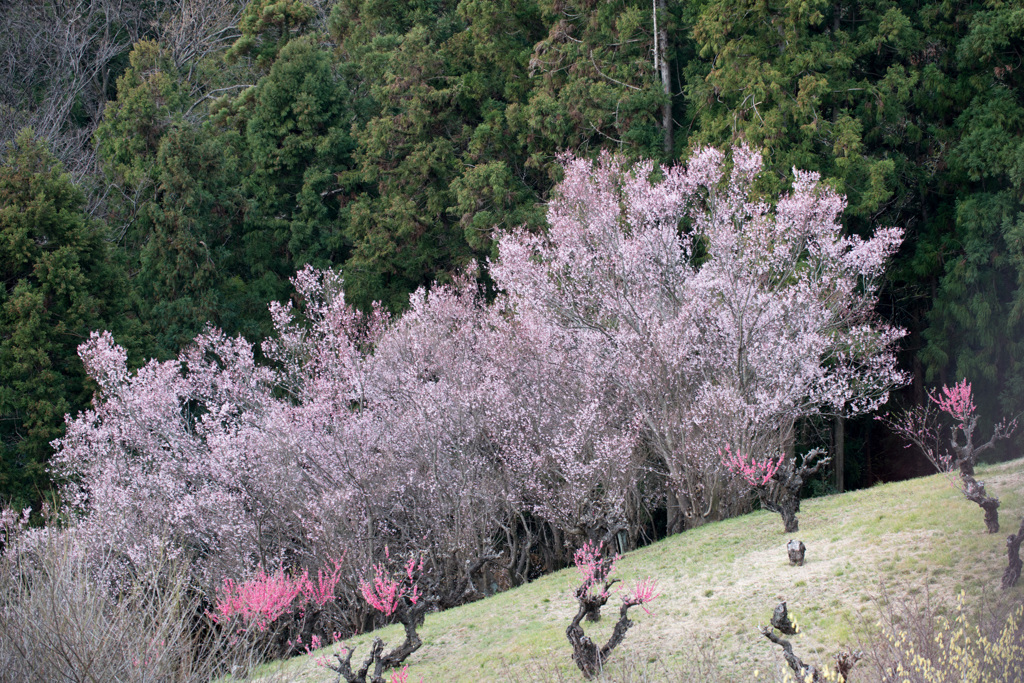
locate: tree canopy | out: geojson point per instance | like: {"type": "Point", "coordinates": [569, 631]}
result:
{"type": "Point", "coordinates": [228, 144]}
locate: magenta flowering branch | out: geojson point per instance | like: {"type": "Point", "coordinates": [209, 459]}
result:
{"type": "Point", "coordinates": [956, 401]}
{"type": "Point", "coordinates": [392, 595]}
{"type": "Point", "coordinates": [953, 452]}
{"type": "Point", "coordinates": [645, 592]}
{"type": "Point", "coordinates": [386, 592]}
{"type": "Point", "coordinates": [754, 472]}
{"type": "Point", "coordinates": [593, 565]}
{"type": "Point", "coordinates": [402, 676]}
{"type": "Point", "coordinates": [321, 591]}
{"type": "Point", "coordinates": [596, 569]}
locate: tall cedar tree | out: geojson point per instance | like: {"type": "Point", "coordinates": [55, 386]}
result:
{"type": "Point", "coordinates": [57, 285]}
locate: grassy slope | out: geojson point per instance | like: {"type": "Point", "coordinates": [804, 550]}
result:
{"type": "Point", "coordinates": [720, 582]}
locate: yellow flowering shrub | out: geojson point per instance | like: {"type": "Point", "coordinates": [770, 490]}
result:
{"type": "Point", "coordinates": [961, 651]}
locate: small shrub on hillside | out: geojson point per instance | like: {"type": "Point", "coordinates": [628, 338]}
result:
{"type": "Point", "coordinates": [776, 481]}
{"type": "Point", "coordinates": [595, 567]}
{"type": "Point", "coordinates": [951, 448]}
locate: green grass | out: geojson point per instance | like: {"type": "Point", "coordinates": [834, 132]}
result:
{"type": "Point", "coordinates": [720, 582]}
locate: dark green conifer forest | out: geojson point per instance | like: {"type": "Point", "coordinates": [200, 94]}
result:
{"type": "Point", "coordinates": [169, 164]}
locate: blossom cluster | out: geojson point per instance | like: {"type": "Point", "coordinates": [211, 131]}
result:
{"type": "Point", "coordinates": [386, 592]}
{"type": "Point", "coordinates": [595, 566]}
{"type": "Point", "coordinates": [266, 597]}
{"type": "Point", "coordinates": [956, 401]}
{"type": "Point", "coordinates": [754, 472]}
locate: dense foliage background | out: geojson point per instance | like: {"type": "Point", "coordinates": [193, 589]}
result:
{"type": "Point", "coordinates": [189, 156]}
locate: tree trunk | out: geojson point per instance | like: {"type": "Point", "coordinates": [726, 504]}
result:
{"type": "Point", "coordinates": [588, 657]}
{"type": "Point", "coordinates": [787, 508]}
{"type": "Point", "coordinates": [974, 491]}
{"type": "Point", "coordinates": [674, 512]}
{"type": "Point", "coordinates": [662, 65]}
{"type": "Point", "coordinates": [839, 452]}
{"type": "Point", "coordinates": [789, 518]}
{"type": "Point", "coordinates": [796, 551]}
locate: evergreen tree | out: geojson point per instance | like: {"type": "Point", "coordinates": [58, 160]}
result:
{"type": "Point", "coordinates": [57, 286]}
{"type": "Point", "coordinates": [977, 323]}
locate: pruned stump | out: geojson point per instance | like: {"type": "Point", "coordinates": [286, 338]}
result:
{"type": "Point", "coordinates": [796, 550]}
{"type": "Point", "coordinates": [846, 660]}
{"type": "Point", "coordinates": [805, 673]}
{"type": "Point", "coordinates": [780, 620]}
{"type": "Point", "coordinates": [1014, 564]}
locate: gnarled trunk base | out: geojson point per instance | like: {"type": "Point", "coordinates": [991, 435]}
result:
{"type": "Point", "coordinates": [588, 657]}
{"type": "Point", "coordinates": [377, 659]}
{"type": "Point", "coordinates": [974, 491]}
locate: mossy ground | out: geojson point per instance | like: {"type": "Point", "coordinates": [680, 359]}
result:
{"type": "Point", "coordinates": [720, 582]}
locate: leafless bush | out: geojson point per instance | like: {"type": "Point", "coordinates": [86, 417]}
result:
{"type": "Point", "coordinates": [61, 58]}
{"type": "Point", "coordinates": [58, 68]}
{"type": "Point", "coordinates": [59, 623]}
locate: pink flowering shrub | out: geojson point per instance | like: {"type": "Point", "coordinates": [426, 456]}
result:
{"type": "Point", "coordinates": [591, 595]}
{"type": "Point", "coordinates": [600, 382]}
{"type": "Point", "coordinates": [263, 601]}
{"type": "Point", "coordinates": [395, 595]}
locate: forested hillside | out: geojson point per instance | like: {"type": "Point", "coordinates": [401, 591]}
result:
{"type": "Point", "coordinates": [212, 148]}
